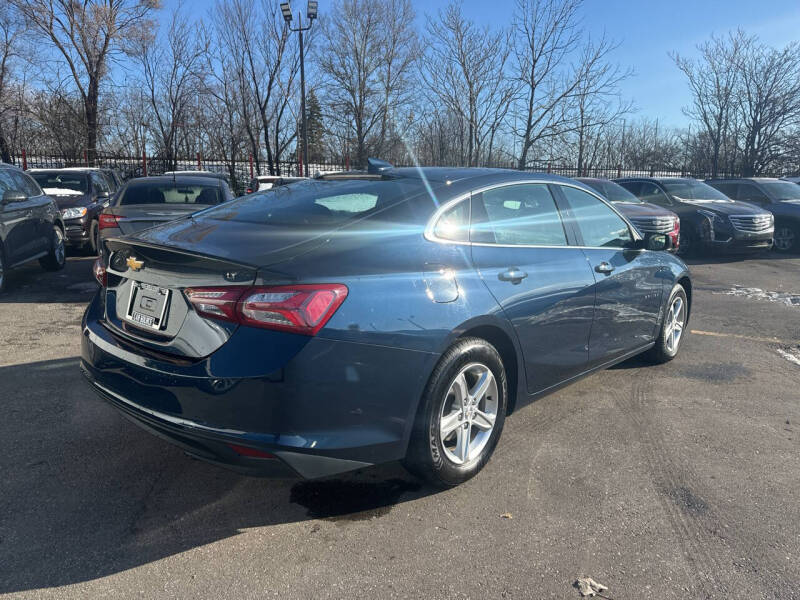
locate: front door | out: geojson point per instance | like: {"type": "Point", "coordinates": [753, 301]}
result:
{"type": "Point", "coordinates": [544, 286]}
{"type": "Point", "coordinates": [628, 283]}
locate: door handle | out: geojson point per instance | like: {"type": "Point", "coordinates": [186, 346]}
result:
{"type": "Point", "coordinates": [604, 267]}
{"type": "Point", "coordinates": [513, 274]}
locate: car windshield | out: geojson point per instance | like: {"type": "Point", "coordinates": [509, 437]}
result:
{"type": "Point", "coordinates": [60, 180]}
{"type": "Point", "coordinates": [160, 192]}
{"type": "Point", "coordinates": [317, 204]}
{"type": "Point", "coordinates": [695, 191]}
{"type": "Point", "coordinates": [782, 190]}
{"type": "Point", "coordinates": [613, 191]}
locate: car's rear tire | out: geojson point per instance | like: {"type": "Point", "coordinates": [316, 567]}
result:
{"type": "Point", "coordinates": [461, 414]}
{"type": "Point", "coordinates": [57, 257]}
{"type": "Point", "coordinates": [673, 327]}
{"type": "Point", "coordinates": [2, 271]}
{"type": "Point", "coordinates": [786, 238]}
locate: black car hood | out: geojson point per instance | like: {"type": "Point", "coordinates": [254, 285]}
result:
{"type": "Point", "coordinates": [642, 209]}
{"type": "Point", "coordinates": [256, 245]}
{"type": "Point", "coordinates": [723, 207]}
{"type": "Point", "coordinates": [64, 201]}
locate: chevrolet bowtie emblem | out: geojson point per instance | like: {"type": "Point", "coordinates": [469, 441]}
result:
{"type": "Point", "coordinates": [134, 264]}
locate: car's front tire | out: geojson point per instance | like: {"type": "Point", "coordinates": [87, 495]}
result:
{"type": "Point", "coordinates": [786, 238]}
{"type": "Point", "coordinates": [57, 257]}
{"type": "Point", "coordinates": [673, 327]}
{"type": "Point", "coordinates": [461, 414]}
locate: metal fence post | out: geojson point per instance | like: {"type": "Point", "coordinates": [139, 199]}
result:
{"type": "Point", "coordinates": [144, 163]}
{"type": "Point", "coordinates": [199, 166]}
{"type": "Point", "coordinates": [86, 158]}
{"type": "Point", "coordinates": [250, 158]}
{"type": "Point", "coordinates": [619, 171]}
{"type": "Point", "coordinates": [24, 160]}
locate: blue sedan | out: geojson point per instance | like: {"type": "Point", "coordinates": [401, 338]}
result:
{"type": "Point", "coordinates": [362, 318]}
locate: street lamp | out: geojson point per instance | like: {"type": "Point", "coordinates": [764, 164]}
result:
{"type": "Point", "coordinates": [311, 14]}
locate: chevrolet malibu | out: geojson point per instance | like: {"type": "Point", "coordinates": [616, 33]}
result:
{"type": "Point", "coordinates": [362, 318]}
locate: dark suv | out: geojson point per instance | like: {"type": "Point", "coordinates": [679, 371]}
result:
{"type": "Point", "coordinates": [781, 198]}
{"type": "Point", "coordinates": [81, 195]}
{"type": "Point", "coordinates": [709, 219]}
{"type": "Point", "coordinates": [30, 224]}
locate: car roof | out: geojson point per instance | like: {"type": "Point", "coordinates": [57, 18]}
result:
{"type": "Point", "coordinates": [176, 178]}
{"type": "Point", "coordinates": [734, 179]}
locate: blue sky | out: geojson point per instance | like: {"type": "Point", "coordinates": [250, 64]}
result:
{"type": "Point", "coordinates": [647, 30]}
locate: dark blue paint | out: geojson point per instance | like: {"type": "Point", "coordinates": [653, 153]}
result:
{"type": "Point", "coordinates": [351, 393]}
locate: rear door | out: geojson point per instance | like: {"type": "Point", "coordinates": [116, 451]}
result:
{"type": "Point", "coordinates": [628, 286]}
{"type": "Point", "coordinates": [544, 286]}
{"type": "Point", "coordinates": [18, 220]}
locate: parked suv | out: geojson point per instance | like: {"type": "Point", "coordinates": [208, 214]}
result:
{"type": "Point", "coordinates": [648, 218]}
{"type": "Point", "coordinates": [30, 224]}
{"type": "Point", "coordinates": [781, 198]}
{"type": "Point", "coordinates": [709, 219]}
{"type": "Point", "coordinates": [81, 195]}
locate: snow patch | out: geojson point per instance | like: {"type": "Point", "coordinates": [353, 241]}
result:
{"type": "Point", "coordinates": [752, 293]}
{"type": "Point", "coordinates": [791, 354]}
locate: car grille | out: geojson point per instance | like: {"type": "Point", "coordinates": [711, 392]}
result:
{"type": "Point", "coordinates": [752, 223]}
{"type": "Point", "coordinates": [654, 224]}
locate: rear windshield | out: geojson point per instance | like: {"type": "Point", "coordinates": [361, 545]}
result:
{"type": "Point", "coordinates": [77, 182]}
{"type": "Point", "coordinates": [782, 190]}
{"type": "Point", "coordinates": [688, 189]}
{"type": "Point", "coordinates": [170, 193]}
{"type": "Point", "coordinates": [317, 204]}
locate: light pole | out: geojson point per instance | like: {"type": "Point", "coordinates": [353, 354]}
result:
{"type": "Point", "coordinates": [311, 14]}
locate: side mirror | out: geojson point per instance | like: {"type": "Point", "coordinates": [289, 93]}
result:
{"type": "Point", "coordinates": [102, 194]}
{"type": "Point", "coordinates": [657, 241]}
{"type": "Point", "coordinates": [14, 196]}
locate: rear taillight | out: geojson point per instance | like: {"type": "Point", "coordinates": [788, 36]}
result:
{"type": "Point", "coordinates": [296, 308]}
{"type": "Point", "coordinates": [105, 221]}
{"type": "Point", "coordinates": [99, 270]}
{"type": "Point", "coordinates": [248, 191]}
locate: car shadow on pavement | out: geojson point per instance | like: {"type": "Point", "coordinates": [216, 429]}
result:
{"type": "Point", "coordinates": [30, 283]}
{"type": "Point", "coordinates": [720, 259]}
{"type": "Point", "coordinates": [86, 494]}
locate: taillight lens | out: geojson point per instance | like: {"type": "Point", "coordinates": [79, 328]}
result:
{"type": "Point", "coordinates": [99, 271]}
{"type": "Point", "coordinates": [105, 221]}
{"type": "Point", "coordinates": [301, 309]}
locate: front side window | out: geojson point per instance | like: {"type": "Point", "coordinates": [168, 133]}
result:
{"type": "Point", "coordinates": [99, 183]}
{"type": "Point", "coordinates": [693, 190]}
{"type": "Point", "coordinates": [653, 194]}
{"type": "Point", "coordinates": [782, 190]}
{"type": "Point", "coordinates": [9, 183]}
{"type": "Point", "coordinates": [599, 226]}
{"type": "Point", "coordinates": [517, 215]}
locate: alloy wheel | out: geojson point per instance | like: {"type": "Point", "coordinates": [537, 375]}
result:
{"type": "Point", "coordinates": [468, 413]}
{"type": "Point", "coordinates": [676, 317]}
{"type": "Point", "coordinates": [784, 238]}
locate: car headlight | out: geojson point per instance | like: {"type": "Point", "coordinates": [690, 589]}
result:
{"type": "Point", "coordinates": [73, 213]}
{"type": "Point", "coordinates": [716, 220]}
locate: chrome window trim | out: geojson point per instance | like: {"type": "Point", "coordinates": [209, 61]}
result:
{"type": "Point", "coordinates": [430, 227]}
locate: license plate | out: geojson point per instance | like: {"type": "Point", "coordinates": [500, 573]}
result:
{"type": "Point", "coordinates": [147, 306]}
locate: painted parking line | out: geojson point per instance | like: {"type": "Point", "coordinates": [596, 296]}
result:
{"type": "Point", "coordinates": [768, 340]}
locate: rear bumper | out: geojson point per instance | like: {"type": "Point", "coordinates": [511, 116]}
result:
{"type": "Point", "coordinates": [333, 407]}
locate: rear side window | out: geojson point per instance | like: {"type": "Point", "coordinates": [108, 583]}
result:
{"type": "Point", "coordinates": [453, 225]}
{"type": "Point", "coordinates": [170, 194]}
{"type": "Point", "coordinates": [598, 224]}
{"type": "Point", "coordinates": [517, 215]}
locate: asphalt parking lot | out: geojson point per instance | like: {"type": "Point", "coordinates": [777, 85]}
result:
{"type": "Point", "coordinates": [676, 481]}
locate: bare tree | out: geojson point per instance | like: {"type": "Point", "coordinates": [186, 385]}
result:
{"type": "Point", "coordinates": [546, 33]}
{"type": "Point", "coordinates": [464, 69]}
{"type": "Point", "coordinates": [172, 78]}
{"type": "Point", "coordinates": [366, 59]}
{"type": "Point", "coordinates": [768, 99]}
{"type": "Point", "coordinates": [12, 29]}
{"type": "Point", "coordinates": [84, 34]}
{"type": "Point", "coordinates": [712, 79]}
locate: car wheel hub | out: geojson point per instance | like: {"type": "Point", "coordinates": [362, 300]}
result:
{"type": "Point", "coordinates": [676, 317]}
{"type": "Point", "coordinates": [468, 414]}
